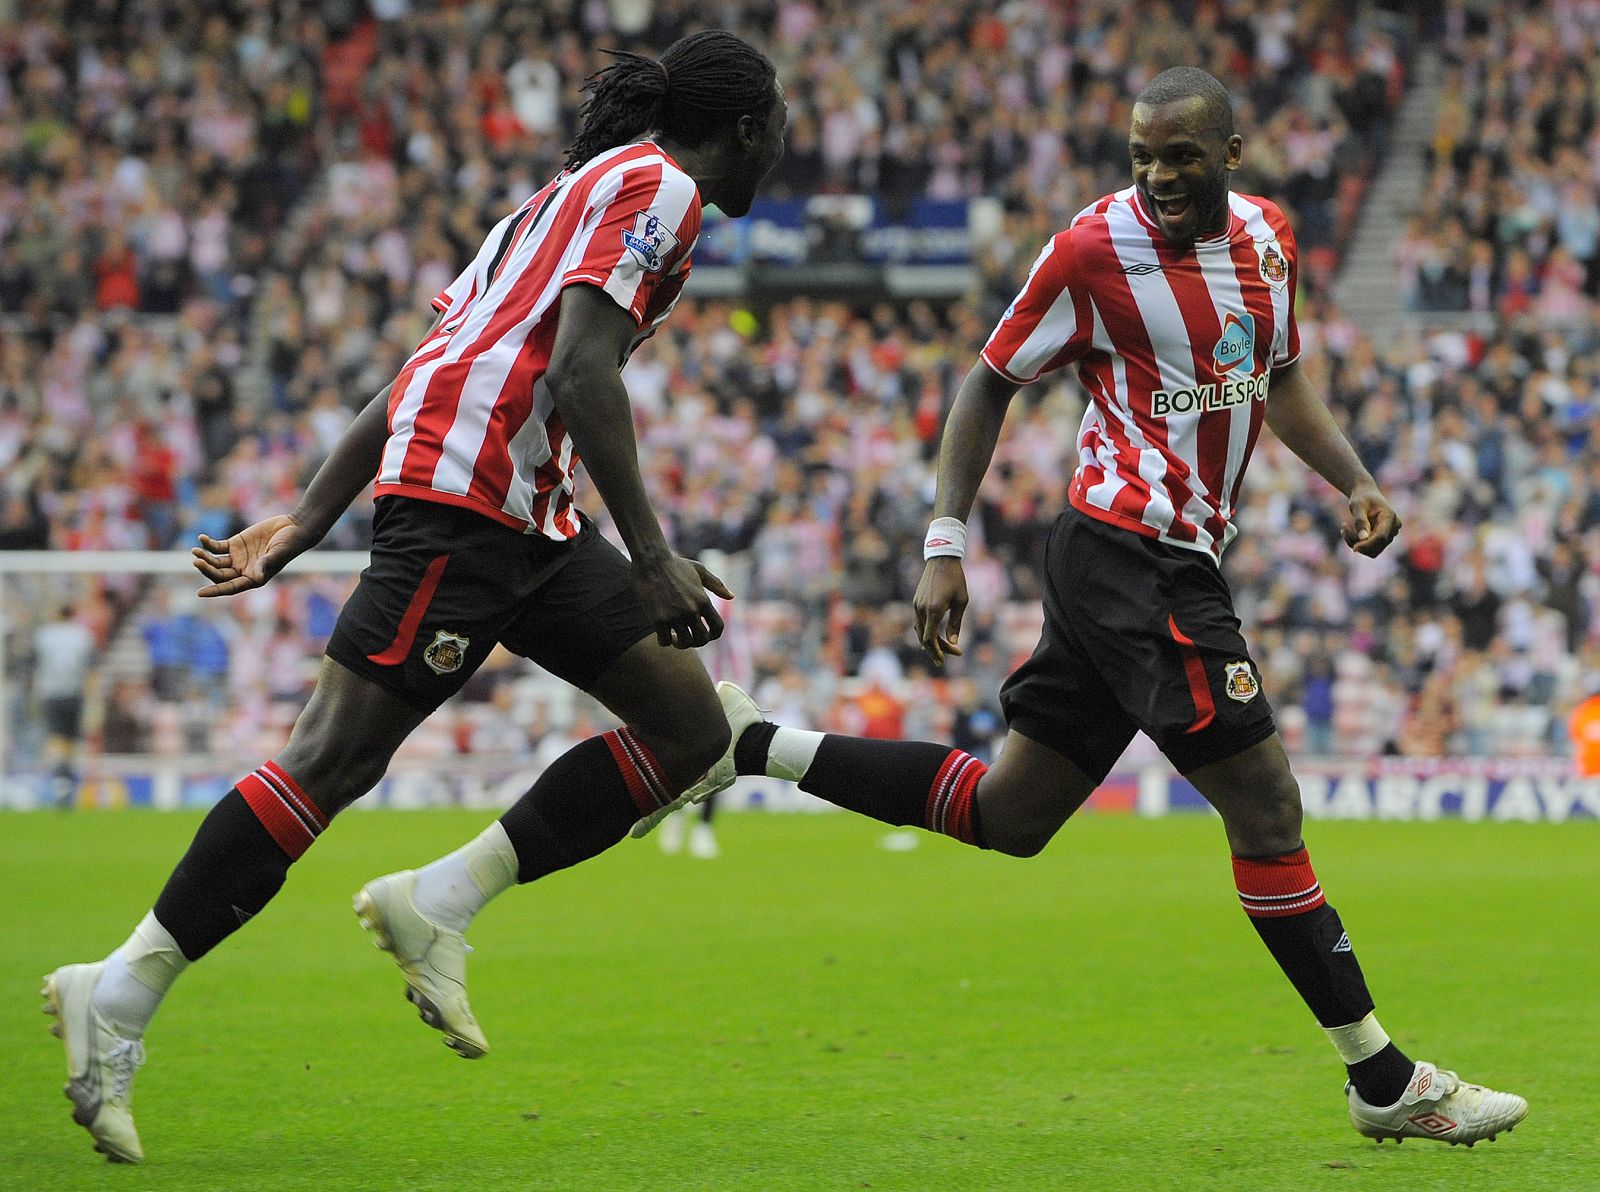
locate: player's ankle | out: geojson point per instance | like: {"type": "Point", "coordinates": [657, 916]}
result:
{"type": "Point", "coordinates": [137, 976]}
{"type": "Point", "coordinates": [451, 891]}
{"type": "Point", "coordinates": [772, 751]}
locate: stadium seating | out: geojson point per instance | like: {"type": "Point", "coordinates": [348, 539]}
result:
{"type": "Point", "coordinates": [216, 243]}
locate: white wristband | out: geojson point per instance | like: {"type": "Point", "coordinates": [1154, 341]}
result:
{"type": "Point", "coordinates": [947, 538]}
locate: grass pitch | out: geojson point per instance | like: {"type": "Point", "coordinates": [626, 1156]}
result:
{"type": "Point", "coordinates": [812, 1011]}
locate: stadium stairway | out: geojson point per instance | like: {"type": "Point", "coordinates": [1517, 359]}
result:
{"type": "Point", "coordinates": [1367, 282]}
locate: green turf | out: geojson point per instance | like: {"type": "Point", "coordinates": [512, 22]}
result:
{"type": "Point", "coordinates": [812, 1011]}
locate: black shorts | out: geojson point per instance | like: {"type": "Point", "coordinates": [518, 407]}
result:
{"type": "Point", "coordinates": [63, 715]}
{"type": "Point", "coordinates": [1138, 634]}
{"type": "Point", "coordinates": [446, 585]}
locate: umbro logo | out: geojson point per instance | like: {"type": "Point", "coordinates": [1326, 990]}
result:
{"type": "Point", "coordinates": [1141, 268]}
{"type": "Point", "coordinates": [1344, 943]}
{"type": "Point", "coordinates": [1433, 1122]}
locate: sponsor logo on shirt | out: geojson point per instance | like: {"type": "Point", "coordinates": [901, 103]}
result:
{"type": "Point", "coordinates": [1237, 345]}
{"type": "Point", "coordinates": [650, 242]}
{"type": "Point", "coordinates": [1203, 399]}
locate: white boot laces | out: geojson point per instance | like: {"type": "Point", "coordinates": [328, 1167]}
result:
{"type": "Point", "coordinates": [124, 1060]}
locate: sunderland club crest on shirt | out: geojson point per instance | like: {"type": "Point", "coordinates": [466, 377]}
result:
{"type": "Point", "coordinates": [650, 241]}
{"type": "Point", "coordinates": [1274, 269]}
{"type": "Point", "coordinates": [1240, 682]}
{"type": "Point", "coordinates": [446, 652]}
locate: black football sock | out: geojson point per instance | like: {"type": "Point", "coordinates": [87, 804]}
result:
{"type": "Point", "coordinates": [904, 783]}
{"type": "Point", "coordinates": [584, 803]}
{"type": "Point", "coordinates": [238, 860]}
{"type": "Point", "coordinates": [1284, 901]}
{"type": "Point", "coordinates": [1382, 1079]}
{"type": "Point", "coordinates": [750, 750]}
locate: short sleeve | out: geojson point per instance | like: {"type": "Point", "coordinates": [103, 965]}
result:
{"type": "Point", "coordinates": [1048, 325]}
{"type": "Point", "coordinates": [1290, 351]}
{"type": "Point", "coordinates": [456, 291]}
{"type": "Point", "coordinates": [641, 228]}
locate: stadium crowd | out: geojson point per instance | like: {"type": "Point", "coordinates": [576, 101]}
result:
{"type": "Point", "coordinates": [1512, 225]}
{"type": "Point", "coordinates": [218, 237]}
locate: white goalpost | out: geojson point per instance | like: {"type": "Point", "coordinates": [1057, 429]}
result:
{"type": "Point", "coordinates": [181, 696]}
{"type": "Point", "coordinates": [123, 598]}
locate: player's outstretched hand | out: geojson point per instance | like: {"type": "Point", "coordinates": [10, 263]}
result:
{"type": "Point", "coordinates": [672, 593]}
{"type": "Point", "coordinates": [1372, 522]}
{"type": "Point", "coordinates": [939, 605]}
{"type": "Point", "coordinates": [251, 557]}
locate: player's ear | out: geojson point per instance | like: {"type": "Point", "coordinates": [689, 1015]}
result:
{"type": "Point", "coordinates": [746, 132]}
{"type": "Point", "coordinates": [1233, 152]}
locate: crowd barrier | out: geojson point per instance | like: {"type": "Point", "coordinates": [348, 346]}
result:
{"type": "Point", "coordinates": [1533, 790]}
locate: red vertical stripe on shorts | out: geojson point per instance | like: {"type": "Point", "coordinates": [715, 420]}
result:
{"type": "Point", "coordinates": [1205, 710]}
{"type": "Point", "coordinates": [407, 633]}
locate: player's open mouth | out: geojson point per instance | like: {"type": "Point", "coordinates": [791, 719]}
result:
{"type": "Point", "coordinates": [1172, 208]}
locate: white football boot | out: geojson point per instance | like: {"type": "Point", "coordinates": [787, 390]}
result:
{"type": "Point", "coordinates": [741, 712]}
{"type": "Point", "coordinates": [433, 959]}
{"type": "Point", "coordinates": [100, 1063]}
{"type": "Point", "coordinates": [1439, 1105]}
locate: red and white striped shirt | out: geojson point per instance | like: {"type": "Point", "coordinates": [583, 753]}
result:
{"type": "Point", "coordinates": [1176, 348]}
{"type": "Point", "coordinates": [470, 421]}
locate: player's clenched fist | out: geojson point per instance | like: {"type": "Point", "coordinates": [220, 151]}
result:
{"type": "Point", "coordinates": [1372, 522]}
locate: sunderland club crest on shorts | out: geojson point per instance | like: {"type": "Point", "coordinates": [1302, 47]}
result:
{"type": "Point", "coordinates": [446, 652]}
{"type": "Point", "coordinates": [650, 241]}
{"type": "Point", "coordinates": [1274, 269]}
{"type": "Point", "coordinates": [1241, 682]}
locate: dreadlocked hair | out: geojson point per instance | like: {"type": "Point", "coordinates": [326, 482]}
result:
{"type": "Point", "coordinates": [701, 85]}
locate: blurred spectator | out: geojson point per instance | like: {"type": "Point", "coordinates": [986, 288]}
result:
{"type": "Point", "coordinates": [63, 651]}
{"type": "Point", "coordinates": [1584, 727]}
{"type": "Point", "coordinates": [214, 250]}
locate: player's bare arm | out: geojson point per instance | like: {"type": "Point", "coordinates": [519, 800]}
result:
{"type": "Point", "coordinates": [585, 379]}
{"type": "Point", "coordinates": [255, 554]}
{"type": "Point", "coordinates": [1299, 417]}
{"type": "Point", "coordinates": [970, 435]}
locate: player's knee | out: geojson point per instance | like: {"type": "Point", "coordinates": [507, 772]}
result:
{"type": "Point", "coordinates": [687, 756]}
{"type": "Point", "coordinates": [1018, 840]}
{"type": "Point", "coordinates": [710, 746]}
{"type": "Point", "coordinates": [1268, 826]}
{"type": "Point", "coordinates": [333, 772]}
